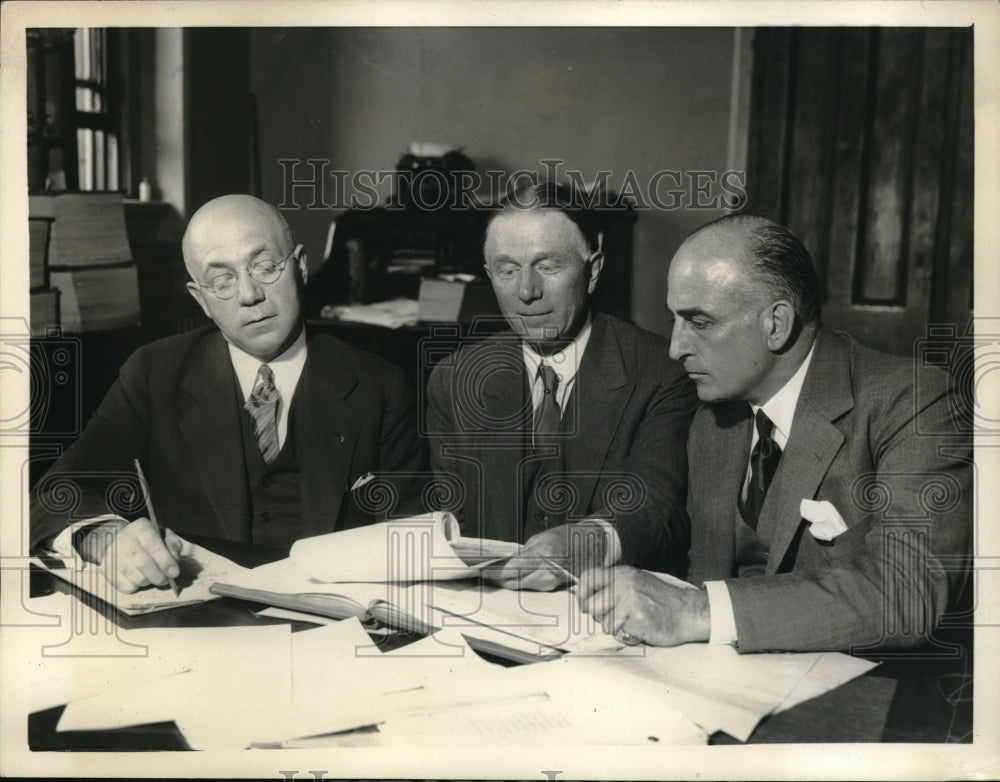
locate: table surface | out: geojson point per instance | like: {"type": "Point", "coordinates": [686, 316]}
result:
{"type": "Point", "coordinates": [924, 695]}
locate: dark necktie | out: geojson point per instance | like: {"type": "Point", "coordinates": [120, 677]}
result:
{"type": "Point", "coordinates": [263, 408]}
{"type": "Point", "coordinates": [547, 414]}
{"type": "Point", "coordinates": [763, 462]}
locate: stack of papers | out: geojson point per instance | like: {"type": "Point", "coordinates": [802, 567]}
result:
{"type": "Point", "coordinates": [237, 687]}
{"type": "Point", "coordinates": [390, 314]}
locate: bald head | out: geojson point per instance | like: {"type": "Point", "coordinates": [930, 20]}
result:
{"type": "Point", "coordinates": [771, 261]}
{"type": "Point", "coordinates": [246, 273]}
{"type": "Point", "coordinates": [744, 297]}
{"type": "Point", "coordinates": [225, 220]}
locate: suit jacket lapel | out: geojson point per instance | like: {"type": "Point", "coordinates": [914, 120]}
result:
{"type": "Point", "coordinates": [826, 395]}
{"type": "Point", "coordinates": [326, 450]}
{"type": "Point", "coordinates": [506, 429]}
{"type": "Point", "coordinates": [599, 397]}
{"type": "Point", "coordinates": [213, 434]}
{"type": "Point", "coordinates": [722, 457]}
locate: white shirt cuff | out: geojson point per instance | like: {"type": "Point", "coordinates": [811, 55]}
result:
{"type": "Point", "coordinates": [720, 606]}
{"type": "Point", "coordinates": [62, 544]}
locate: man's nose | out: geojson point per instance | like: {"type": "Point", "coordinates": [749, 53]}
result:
{"type": "Point", "coordinates": [529, 287]}
{"type": "Point", "coordinates": [250, 291]}
{"type": "Point", "coordinates": [678, 341]}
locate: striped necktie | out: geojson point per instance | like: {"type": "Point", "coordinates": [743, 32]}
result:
{"type": "Point", "coordinates": [263, 408]}
{"type": "Point", "coordinates": [547, 415]}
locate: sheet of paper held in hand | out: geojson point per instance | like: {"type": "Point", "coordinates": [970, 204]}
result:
{"type": "Point", "coordinates": [200, 568]}
{"type": "Point", "coordinates": [418, 548]}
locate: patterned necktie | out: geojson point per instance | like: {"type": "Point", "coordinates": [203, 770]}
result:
{"type": "Point", "coordinates": [763, 462]}
{"type": "Point", "coordinates": [547, 415]}
{"type": "Point", "coordinates": [263, 408]}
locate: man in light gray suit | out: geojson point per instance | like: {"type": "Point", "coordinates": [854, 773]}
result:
{"type": "Point", "coordinates": [830, 493]}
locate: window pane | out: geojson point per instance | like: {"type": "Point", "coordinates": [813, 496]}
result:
{"type": "Point", "coordinates": [99, 160]}
{"type": "Point", "coordinates": [112, 162]}
{"type": "Point", "coordinates": [84, 150]}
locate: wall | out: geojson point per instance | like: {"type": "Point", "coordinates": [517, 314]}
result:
{"type": "Point", "coordinates": [620, 99]}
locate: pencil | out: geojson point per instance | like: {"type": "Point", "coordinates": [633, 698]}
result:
{"type": "Point", "coordinates": [152, 515]}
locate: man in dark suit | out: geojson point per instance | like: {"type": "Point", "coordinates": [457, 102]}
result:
{"type": "Point", "coordinates": [830, 492]}
{"type": "Point", "coordinates": [248, 430]}
{"type": "Point", "coordinates": [568, 432]}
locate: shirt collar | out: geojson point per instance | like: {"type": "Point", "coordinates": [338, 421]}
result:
{"type": "Point", "coordinates": [780, 408]}
{"type": "Point", "coordinates": [287, 367]}
{"type": "Point", "coordinates": [565, 362]}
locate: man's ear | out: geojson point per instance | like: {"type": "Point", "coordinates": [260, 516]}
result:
{"type": "Point", "coordinates": [781, 325]}
{"type": "Point", "coordinates": [596, 266]}
{"type": "Point", "coordinates": [199, 296]}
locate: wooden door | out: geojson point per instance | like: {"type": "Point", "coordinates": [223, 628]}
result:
{"type": "Point", "coordinates": [861, 142]}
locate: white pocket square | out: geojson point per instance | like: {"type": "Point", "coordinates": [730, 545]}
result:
{"type": "Point", "coordinates": [368, 477]}
{"type": "Point", "coordinates": [824, 521]}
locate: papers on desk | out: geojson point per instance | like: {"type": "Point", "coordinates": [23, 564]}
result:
{"type": "Point", "coordinates": [234, 681]}
{"type": "Point", "coordinates": [264, 686]}
{"type": "Point", "coordinates": [199, 570]}
{"type": "Point", "coordinates": [391, 314]}
{"type": "Point", "coordinates": [419, 548]}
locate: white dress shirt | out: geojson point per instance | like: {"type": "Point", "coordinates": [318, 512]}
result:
{"type": "Point", "coordinates": [566, 364]}
{"type": "Point", "coordinates": [780, 408]}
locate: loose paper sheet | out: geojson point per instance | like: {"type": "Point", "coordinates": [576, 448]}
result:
{"type": "Point", "coordinates": [199, 570]}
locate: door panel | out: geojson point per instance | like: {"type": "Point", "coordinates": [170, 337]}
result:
{"type": "Point", "coordinates": [861, 142]}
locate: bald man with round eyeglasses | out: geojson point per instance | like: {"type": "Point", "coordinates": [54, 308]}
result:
{"type": "Point", "coordinates": [249, 429]}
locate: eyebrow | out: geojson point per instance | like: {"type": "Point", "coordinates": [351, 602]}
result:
{"type": "Point", "coordinates": [539, 258]}
{"type": "Point", "coordinates": [230, 264]}
{"type": "Point", "coordinates": [690, 312]}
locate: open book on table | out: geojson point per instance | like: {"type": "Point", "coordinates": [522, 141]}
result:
{"type": "Point", "coordinates": [419, 575]}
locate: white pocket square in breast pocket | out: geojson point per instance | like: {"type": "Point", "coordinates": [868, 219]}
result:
{"type": "Point", "coordinates": [365, 479]}
{"type": "Point", "coordinates": [824, 521]}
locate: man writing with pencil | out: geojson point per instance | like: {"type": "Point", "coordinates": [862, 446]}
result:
{"type": "Point", "coordinates": [248, 430]}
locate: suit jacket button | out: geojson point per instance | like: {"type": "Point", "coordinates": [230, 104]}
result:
{"type": "Point", "coordinates": [265, 516]}
{"type": "Point", "coordinates": [266, 483]}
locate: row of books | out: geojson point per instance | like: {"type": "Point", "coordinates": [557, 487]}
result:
{"type": "Point", "coordinates": [82, 276]}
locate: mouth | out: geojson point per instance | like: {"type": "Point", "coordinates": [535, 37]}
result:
{"type": "Point", "coordinates": [534, 315]}
{"type": "Point", "coordinates": [257, 321]}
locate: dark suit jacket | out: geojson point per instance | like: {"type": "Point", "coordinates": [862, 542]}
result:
{"type": "Point", "coordinates": [175, 406]}
{"type": "Point", "coordinates": [880, 446]}
{"type": "Point", "coordinates": [627, 420]}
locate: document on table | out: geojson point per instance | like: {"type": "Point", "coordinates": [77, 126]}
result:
{"type": "Point", "coordinates": [720, 689]}
{"type": "Point", "coordinates": [610, 708]}
{"type": "Point", "coordinates": [419, 548]}
{"type": "Point", "coordinates": [550, 618]}
{"type": "Point", "coordinates": [341, 680]}
{"type": "Point", "coordinates": [83, 655]}
{"type": "Point", "coordinates": [200, 568]}
{"type": "Point", "coordinates": [235, 682]}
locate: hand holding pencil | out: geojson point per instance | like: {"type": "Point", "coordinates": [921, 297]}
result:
{"type": "Point", "coordinates": [137, 554]}
{"type": "Point", "coordinates": [171, 569]}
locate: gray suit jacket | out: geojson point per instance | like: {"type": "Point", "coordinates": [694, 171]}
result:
{"type": "Point", "coordinates": [623, 450]}
{"type": "Point", "coordinates": [881, 446]}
